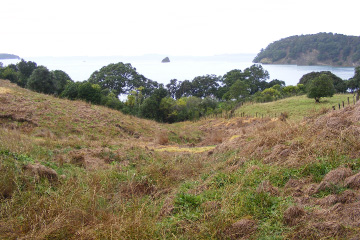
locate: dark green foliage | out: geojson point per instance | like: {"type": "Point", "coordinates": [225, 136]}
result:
{"type": "Point", "coordinates": [121, 78]}
{"type": "Point", "coordinates": [110, 100]}
{"type": "Point", "coordinates": [239, 90]}
{"type": "Point", "coordinates": [90, 92]}
{"type": "Point", "coordinates": [172, 87]}
{"type": "Point", "coordinates": [339, 84]}
{"type": "Point", "coordinates": [276, 82]}
{"type": "Point", "coordinates": [336, 48]}
{"type": "Point", "coordinates": [9, 74]}
{"type": "Point", "coordinates": [184, 89]}
{"type": "Point", "coordinates": [319, 87]}
{"type": "Point", "coordinates": [256, 77]}
{"type": "Point", "coordinates": [25, 70]}
{"type": "Point", "coordinates": [354, 82]}
{"type": "Point", "coordinates": [151, 106]}
{"type": "Point", "coordinates": [205, 86]}
{"type": "Point", "coordinates": [71, 90]}
{"type": "Point", "coordinates": [61, 79]}
{"type": "Point", "coordinates": [41, 80]}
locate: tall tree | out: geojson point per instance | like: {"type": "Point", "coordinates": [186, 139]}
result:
{"type": "Point", "coordinates": [61, 78]}
{"type": "Point", "coordinates": [319, 87]}
{"type": "Point", "coordinates": [256, 77]}
{"type": "Point", "coordinates": [339, 84]}
{"type": "Point", "coordinates": [239, 90]}
{"type": "Point", "coordinates": [172, 87]}
{"type": "Point", "coordinates": [205, 86]}
{"type": "Point", "coordinates": [184, 89]}
{"type": "Point", "coordinates": [116, 77]}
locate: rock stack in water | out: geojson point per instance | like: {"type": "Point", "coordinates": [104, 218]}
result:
{"type": "Point", "coordinates": [165, 60]}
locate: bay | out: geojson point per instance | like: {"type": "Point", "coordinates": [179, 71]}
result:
{"type": "Point", "coordinates": [180, 67]}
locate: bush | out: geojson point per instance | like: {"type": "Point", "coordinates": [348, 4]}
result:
{"type": "Point", "coordinates": [41, 80]}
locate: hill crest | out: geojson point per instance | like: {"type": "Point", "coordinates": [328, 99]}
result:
{"type": "Point", "coordinates": [313, 49]}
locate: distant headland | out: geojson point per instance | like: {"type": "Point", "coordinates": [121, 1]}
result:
{"type": "Point", "coordinates": [313, 49]}
{"type": "Point", "coordinates": [8, 56]}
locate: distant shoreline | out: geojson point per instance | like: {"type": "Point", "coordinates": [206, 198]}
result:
{"type": "Point", "coordinates": [4, 56]}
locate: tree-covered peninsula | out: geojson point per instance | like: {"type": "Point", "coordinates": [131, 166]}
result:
{"type": "Point", "coordinates": [8, 56]}
{"type": "Point", "coordinates": [313, 49]}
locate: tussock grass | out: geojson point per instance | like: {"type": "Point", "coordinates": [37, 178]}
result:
{"type": "Point", "coordinates": [115, 181]}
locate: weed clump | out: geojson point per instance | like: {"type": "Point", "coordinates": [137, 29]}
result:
{"type": "Point", "coordinates": [162, 138]}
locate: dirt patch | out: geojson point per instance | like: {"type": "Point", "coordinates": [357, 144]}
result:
{"type": "Point", "coordinates": [321, 230]}
{"type": "Point", "coordinates": [136, 189]}
{"type": "Point", "coordinates": [334, 177]}
{"type": "Point", "coordinates": [88, 158]}
{"type": "Point", "coordinates": [293, 215]}
{"type": "Point", "coordinates": [40, 171]}
{"type": "Point", "coordinates": [240, 229]}
{"type": "Point", "coordinates": [168, 207]}
{"type": "Point", "coordinates": [353, 181]}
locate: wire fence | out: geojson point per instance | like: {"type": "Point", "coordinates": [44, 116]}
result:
{"type": "Point", "coordinates": [233, 113]}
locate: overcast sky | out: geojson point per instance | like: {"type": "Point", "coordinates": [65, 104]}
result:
{"type": "Point", "coordinates": [170, 27]}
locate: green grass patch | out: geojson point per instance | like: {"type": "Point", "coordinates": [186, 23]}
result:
{"type": "Point", "coordinates": [297, 107]}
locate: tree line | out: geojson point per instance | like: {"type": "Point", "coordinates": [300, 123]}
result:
{"type": "Point", "coordinates": [177, 100]}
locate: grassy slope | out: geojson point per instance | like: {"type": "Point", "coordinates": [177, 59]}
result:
{"type": "Point", "coordinates": [296, 107]}
{"type": "Point", "coordinates": [115, 186]}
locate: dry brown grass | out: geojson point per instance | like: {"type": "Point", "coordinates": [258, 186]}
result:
{"type": "Point", "coordinates": [116, 184]}
{"type": "Point", "coordinates": [162, 137]}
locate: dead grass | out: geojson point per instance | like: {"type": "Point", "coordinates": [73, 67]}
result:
{"type": "Point", "coordinates": [162, 137]}
{"type": "Point", "coordinates": [117, 179]}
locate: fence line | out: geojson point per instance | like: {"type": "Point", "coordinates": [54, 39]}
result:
{"type": "Point", "coordinates": [231, 114]}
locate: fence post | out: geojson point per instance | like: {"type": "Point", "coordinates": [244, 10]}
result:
{"type": "Point", "coordinates": [343, 104]}
{"type": "Point", "coordinates": [339, 105]}
{"type": "Point", "coordinates": [348, 100]}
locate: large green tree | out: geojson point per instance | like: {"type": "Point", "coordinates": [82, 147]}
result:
{"type": "Point", "coordinates": [205, 86]}
{"type": "Point", "coordinates": [61, 79]}
{"type": "Point", "coordinates": [239, 90]}
{"type": "Point", "coordinates": [184, 89]}
{"type": "Point", "coordinates": [121, 78]}
{"type": "Point", "coordinates": [151, 106]}
{"type": "Point", "coordinates": [25, 69]}
{"type": "Point", "coordinates": [256, 77]}
{"type": "Point", "coordinates": [41, 80]}
{"type": "Point", "coordinates": [339, 84]}
{"type": "Point", "coordinates": [321, 86]}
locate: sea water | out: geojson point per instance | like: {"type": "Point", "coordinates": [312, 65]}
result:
{"type": "Point", "coordinates": [180, 67]}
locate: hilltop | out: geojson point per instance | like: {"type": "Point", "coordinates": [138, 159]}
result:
{"type": "Point", "coordinates": [70, 170]}
{"type": "Point", "coordinates": [313, 49]}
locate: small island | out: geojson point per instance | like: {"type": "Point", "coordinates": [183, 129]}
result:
{"type": "Point", "coordinates": [166, 60]}
{"type": "Point", "coordinates": [313, 49]}
{"type": "Point", "coordinates": [8, 56]}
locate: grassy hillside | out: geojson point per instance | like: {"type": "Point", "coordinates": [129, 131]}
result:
{"type": "Point", "coordinates": [71, 170]}
{"type": "Point", "coordinates": [297, 107]}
